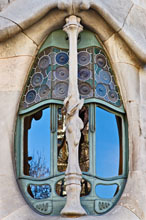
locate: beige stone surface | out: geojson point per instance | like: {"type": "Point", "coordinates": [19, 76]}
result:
{"type": "Point", "coordinates": [9, 105]}
{"type": "Point", "coordinates": [118, 213]}
{"type": "Point", "coordinates": [53, 21]}
{"type": "Point", "coordinates": [119, 51]}
{"type": "Point", "coordinates": [142, 75]}
{"type": "Point", "coordinates": [26, 16]}
{"type": "Point", "coordinates": [128, 80]}
{"type": "Point", "coordinates": [10, 204]}
{"type": "Point", "coordinates": [13, 72]}
{"type": "Point", "coordinates": [7, 28]}
{"type": "Point", "coordinates": [143, 120]}
{"type": "Point", "coordinates": [134, 31]}
{"type": "Point", "coordinates": [114, 12]}
{"type": "Point", "coordinates": [140, 3]}
{"type": "Point", "coordinates": [20, 45]}
{"type": "Point", "coordinates": [133, 114]}
{"type": "Point", "coordinates": [134, 196]}
{"type": "Point", "coordinates": [8, 186]}
{"type": "Point", "coordinates": [93, 21]}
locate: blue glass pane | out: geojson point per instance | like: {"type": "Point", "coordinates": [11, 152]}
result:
{"type": "Point", "coordinates": [39, 144]}
{"type": "Point", "coordinates": [107, 144]}
{"type": "Point", "coordinates": [39, 191]}
{"type": "Point", "coordinates": [106, 191]}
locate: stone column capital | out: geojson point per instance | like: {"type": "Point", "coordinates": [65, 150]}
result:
{"type": "Point", "coordinates": [73, 23]}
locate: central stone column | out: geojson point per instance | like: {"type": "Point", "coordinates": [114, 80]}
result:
{"type": "Point", "coordinates": [72, 105]}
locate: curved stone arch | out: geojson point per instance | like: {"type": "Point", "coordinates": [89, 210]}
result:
{"type": "Point", "coordinates": [118, 14]}
{"type": "Point", "coordinates": [116, 48]}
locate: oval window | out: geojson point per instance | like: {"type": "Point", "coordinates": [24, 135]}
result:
{"type": "Point", "coordinates": [41, 150]}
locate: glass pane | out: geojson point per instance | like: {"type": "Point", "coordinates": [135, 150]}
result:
{"type": "Point", "coordinates": [107, 144]}
{"type": "Point", "coordinates": [62, 147]}
{"type": "Point", "coordinates": [62, 159]}
{"type": "Point", "coordinates": [106, 191]}
{"type": "Point", "coordinates": [37, 144]}
{"type": "Point", "coordinates": [39, 191]}
{"type": "Point", "coordinates": [61, 188]}
{"type": "Point", "coordinates": [84, 141]}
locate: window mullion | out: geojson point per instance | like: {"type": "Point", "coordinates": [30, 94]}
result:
{"type": "Point", "coordinates": [53, 124]}
{"type": "Point", "coordinates": [92, 138]}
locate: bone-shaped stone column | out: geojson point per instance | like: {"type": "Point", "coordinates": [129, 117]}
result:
{"type": "Point", "coordinates": [72, 105]}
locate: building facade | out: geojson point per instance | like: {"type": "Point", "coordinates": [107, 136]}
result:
{"type": "Point", "coordinates": [120, 28]}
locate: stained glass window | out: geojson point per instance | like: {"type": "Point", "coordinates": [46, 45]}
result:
{"type": "Point", "coordinates": [41, 146]}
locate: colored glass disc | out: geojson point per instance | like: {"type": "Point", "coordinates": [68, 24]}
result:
{"type": "Point", "coordinates": [30, 96]}
{"type": "Point", "coordinates": [84, 74]}
{"type": "Point", "coordinates": [83, 58]}
{"type": "Point", "coordinates": [62, 58]}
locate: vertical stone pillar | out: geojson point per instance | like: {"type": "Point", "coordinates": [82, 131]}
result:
{"type": "Point", "coordinates": [72, 105]}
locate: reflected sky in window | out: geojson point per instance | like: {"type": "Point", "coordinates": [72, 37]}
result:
{"type": "Point", "coordinates": [107, 144]}
{"type": "Point", "coordinates": [106, 191]}
{"type": "Point", "coordinates": [39, 146]}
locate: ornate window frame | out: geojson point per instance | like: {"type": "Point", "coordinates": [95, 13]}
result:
{"type": "Point", "coordinates": [45, 207]}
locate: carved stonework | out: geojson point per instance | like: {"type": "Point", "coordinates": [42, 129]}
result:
{"type": "Point", "coordinates": [74, 6]}
{"type": "Point", "coordinates": [72, 105]}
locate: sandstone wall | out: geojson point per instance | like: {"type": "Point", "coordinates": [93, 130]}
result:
{"type": "Point", "coordinates": [4, 3]}
{"type": "Point", "coordinates": [17, 54]}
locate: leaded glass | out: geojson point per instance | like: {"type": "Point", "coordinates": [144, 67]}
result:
{"type": "Point", "coordinates": [50, 74]}
{"type": "Point", "coordinates": [39, 191]}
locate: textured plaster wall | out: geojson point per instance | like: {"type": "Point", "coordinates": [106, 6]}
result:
{"type": "Point", "coordinates": [4, 3]}
{"type": "Point", "coordinates": [16, 57]}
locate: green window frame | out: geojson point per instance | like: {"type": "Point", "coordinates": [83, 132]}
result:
{"type": "Point", "coordinates": [57, 42]}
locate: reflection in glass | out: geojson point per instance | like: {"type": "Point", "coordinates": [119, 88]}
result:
{"type": "Point", "coordinates": [108, 144]}
{"type": "Point", "coordinates": [106, 191]}
{"type": "Point", "coordinates": [37, 144]}
{"type": "Point", "coordinates": [39, 191]}
{"type": "Point", "coordinates": [62, 159]}
{"type": "Point", "coordinates": [84, 141]}
{"type": "Point", "coordinates": [61, 188]}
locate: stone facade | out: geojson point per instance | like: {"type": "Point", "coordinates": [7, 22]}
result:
{"type": "Point", "coordinates": [121, 28]}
